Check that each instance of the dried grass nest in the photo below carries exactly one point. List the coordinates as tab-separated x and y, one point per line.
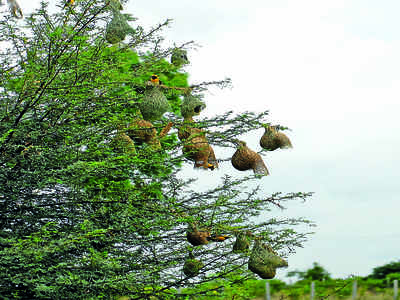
246	159
197	237
142	131
197	149
192	267
264	261
273	139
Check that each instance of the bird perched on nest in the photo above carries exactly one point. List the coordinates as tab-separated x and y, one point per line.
154	103
69	3
155	80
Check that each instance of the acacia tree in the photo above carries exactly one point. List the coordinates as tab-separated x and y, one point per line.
87	210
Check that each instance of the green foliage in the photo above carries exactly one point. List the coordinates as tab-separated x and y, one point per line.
382	271
317	273
85	216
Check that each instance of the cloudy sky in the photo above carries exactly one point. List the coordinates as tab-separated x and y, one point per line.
329	70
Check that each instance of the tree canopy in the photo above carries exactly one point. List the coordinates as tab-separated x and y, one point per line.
317	272
92	197
381	272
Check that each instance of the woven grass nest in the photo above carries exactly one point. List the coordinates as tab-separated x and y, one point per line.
179	57
123	143
246	159
273	139
197	149
154	103
242	242
264	261
142	131
118	27
15	9
192	267
197	237
191	106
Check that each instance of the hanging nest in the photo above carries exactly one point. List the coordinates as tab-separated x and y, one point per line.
197	149
116	5
185	131
179	57
15	9
273	139
264	261
142	131
242	242
246	159
191	106
154	104
118	27
123	143
192	267
197	237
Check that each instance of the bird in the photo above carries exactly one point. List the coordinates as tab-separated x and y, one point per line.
155	80
154	103
69	3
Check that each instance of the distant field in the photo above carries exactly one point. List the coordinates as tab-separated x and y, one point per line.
360	296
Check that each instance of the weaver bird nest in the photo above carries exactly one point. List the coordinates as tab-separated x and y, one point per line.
264	261
246	159
273	139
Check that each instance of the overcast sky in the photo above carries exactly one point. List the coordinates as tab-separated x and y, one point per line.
329	70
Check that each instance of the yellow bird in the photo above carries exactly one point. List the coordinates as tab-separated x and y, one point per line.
155	80
69	3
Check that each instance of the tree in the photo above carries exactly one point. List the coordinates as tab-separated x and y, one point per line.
91	197
317	272
382	271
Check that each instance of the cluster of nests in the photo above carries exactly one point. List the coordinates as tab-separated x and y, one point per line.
195	144
263	259
195	147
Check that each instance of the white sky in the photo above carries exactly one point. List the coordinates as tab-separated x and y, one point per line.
329	70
